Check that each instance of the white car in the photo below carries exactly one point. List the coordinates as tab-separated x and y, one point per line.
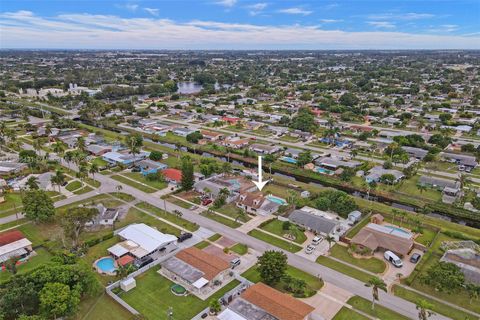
317	240
309	249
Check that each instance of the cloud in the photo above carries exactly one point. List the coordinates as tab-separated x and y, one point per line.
331	20
226	3
23	29
152	11
256	8
381	24
129	6
296	10
444	28
400	16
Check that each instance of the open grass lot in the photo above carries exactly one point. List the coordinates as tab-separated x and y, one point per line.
380	312
134	184
179	221
276	226
313	283
348	314
343	268
370	264
42	257
123	196
220	219
283	244
74	185
137	176
279	191
178	202
234	212
239	248
152	297
102	307
438	307
137	216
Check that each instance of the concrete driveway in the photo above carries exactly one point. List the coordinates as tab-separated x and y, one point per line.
390	275
328	301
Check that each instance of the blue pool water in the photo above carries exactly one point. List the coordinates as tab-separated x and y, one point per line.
277	200
323	170
397	229
288	159
106	265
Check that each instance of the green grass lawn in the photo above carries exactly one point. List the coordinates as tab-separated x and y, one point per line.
380	312
202	244
348	314
220	219
437	306
276	227
152	297
42	257
12	200
239	248
343	268
233	211
279	191
137	216
102	307
283	244
215	237
179	221
74	185
371	264
83	190
313	283
137	176
289	138
99	162
178	202
123	196
133	184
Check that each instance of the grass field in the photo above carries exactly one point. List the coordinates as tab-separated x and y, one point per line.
283	244
220	219
379	312
240	248
123	196
233	211
343	268
179	221
371	264
178	202
152	297
74	185
134	184
102	307
348	314
83	190
137	216
276	227
137	176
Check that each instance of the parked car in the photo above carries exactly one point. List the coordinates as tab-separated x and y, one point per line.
393	258
415	257
309	249
206	202
184	236
142	262
235	262
317	240
136	169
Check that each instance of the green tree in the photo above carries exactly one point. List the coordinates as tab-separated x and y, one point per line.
32	183
304	158
134	142
58	179
194	137
38	206
58	300
376	284
73	222
331	240
155	155
304	120
188	178
93	169
80	144
444	277
215	306
272	266
424	309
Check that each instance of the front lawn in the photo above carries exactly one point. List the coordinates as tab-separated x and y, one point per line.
234	212
152	297
380	312
123	196
370	264
276	227
220	219
74	185
12	200
134	184
343	268
283	244
348	314
179	221
313	284
83	190
137	176
240	249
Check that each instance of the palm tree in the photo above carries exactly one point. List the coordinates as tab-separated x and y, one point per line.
37	144
134	142
421	188
292	196
82	173
58	178
399	276
376	283
424	309
32	183
59	148
80	144
68	157
330	241
93	169
241	214
394	213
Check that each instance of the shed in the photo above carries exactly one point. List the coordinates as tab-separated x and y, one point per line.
376	218
128	284
355	216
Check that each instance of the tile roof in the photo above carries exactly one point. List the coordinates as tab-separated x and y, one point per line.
374	239
10	236
278	304
207	263
173	174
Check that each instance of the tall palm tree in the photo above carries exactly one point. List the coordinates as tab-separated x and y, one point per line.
424	309
59	148
93	169
330	241
37	144
80	144
421	188
376	284
58	179
32	183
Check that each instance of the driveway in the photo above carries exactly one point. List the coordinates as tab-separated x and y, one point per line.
328	301
390	275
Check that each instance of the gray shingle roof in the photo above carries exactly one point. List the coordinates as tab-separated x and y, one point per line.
312	221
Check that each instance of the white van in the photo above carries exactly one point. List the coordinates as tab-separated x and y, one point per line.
317	240
235	262
393	258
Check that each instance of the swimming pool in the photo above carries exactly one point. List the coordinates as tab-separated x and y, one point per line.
280	201
106	265
397	229
324	171
288	159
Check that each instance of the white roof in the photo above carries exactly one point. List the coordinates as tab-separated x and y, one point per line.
128	281
118	250
200	283
228	314
16	245
146	237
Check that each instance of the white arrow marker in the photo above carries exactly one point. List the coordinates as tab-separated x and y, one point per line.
260	184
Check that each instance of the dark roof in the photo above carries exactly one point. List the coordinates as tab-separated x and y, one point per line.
10	236
312	221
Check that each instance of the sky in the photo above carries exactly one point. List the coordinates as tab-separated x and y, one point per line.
240	24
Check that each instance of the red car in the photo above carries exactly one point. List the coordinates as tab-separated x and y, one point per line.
206	202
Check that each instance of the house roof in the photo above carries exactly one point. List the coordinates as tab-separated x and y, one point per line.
252	199
173	174
314	222
10	236
440	182
209	264
146	237
280	305
374	238
126	259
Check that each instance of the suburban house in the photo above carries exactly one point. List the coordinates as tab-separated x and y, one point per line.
381	238
196	269
235	142
468	260
334	163
314	222
148	166
140	240
460	159
257	203
377	172
264	149
183	132
211	136
105	217
417	153
172	175
262	302
7	167
98	150
14	244
438	183
124	158
231	120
